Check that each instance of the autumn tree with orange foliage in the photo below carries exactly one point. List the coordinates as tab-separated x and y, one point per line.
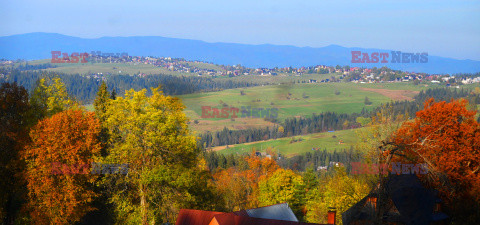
234	188
241	186
259	168
68	138
446	137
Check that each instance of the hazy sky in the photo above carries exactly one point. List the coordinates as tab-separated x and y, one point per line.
442	28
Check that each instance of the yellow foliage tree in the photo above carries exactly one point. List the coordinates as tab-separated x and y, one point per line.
282	186
340	191
150	134
50	97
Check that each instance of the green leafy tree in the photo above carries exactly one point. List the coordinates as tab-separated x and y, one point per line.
50	97
363	120
367	101
101	102
150	134
113	95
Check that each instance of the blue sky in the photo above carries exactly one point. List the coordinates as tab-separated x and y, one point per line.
442	28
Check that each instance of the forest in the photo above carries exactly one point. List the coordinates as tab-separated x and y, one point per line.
169	168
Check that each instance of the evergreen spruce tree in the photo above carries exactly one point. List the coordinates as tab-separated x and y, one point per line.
101	102
113	96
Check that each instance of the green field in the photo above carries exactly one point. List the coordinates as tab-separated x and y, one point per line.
118	68
322	97
343	140
291	99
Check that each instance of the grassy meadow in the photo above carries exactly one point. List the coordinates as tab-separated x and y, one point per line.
295	100
117	68
330	141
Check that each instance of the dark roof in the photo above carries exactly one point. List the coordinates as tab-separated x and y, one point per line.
277	212
414	203
357	212
195	217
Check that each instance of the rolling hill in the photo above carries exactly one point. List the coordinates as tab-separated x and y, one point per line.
39	46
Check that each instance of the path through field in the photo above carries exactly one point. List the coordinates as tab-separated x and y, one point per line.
397	95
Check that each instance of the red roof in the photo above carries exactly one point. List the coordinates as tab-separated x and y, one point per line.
195	217
200	217
232	219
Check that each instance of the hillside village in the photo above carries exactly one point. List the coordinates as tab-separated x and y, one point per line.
205	69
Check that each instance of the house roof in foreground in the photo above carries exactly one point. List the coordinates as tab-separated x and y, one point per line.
279	214
195	217
276	212
232	219
414	203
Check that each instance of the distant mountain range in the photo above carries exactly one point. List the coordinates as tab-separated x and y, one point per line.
33	46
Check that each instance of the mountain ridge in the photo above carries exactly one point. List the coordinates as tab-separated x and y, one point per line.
38	45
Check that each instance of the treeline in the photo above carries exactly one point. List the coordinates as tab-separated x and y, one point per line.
36	67
321	122
321	160
290	127
25	66
466	75
173	85
327	121
445	94
79	87
316	160
410	108
84	89
227	136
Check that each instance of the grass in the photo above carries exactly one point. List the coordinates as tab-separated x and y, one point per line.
117	68
322	97
111	68
89	107
281	78
284	147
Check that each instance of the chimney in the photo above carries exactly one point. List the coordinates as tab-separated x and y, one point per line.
331	216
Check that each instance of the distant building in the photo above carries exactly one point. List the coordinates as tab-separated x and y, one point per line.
322	168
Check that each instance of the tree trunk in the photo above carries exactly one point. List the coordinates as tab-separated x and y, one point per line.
143	205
